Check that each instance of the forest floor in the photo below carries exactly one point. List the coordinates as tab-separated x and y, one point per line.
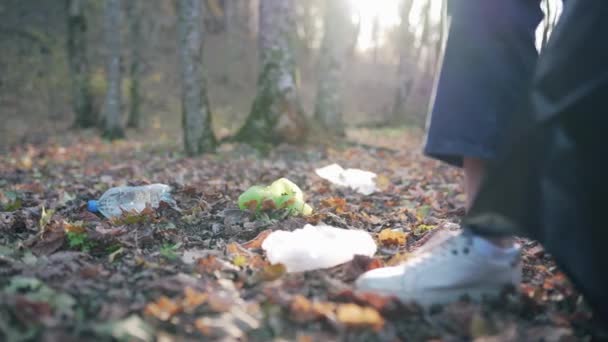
67	274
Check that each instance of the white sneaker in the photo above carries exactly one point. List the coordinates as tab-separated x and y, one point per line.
455	266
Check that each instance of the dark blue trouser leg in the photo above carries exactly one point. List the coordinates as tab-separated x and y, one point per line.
488	66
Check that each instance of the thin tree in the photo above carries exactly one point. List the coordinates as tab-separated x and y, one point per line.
136	38
112	113
276	114
196	116
79	64
334	50
407	62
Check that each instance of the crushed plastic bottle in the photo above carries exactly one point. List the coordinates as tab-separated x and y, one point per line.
131	198
316	247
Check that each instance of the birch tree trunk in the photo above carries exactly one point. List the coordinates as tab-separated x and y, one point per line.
407	62
276	114
79	65
334	50
112	113
196	116
134	9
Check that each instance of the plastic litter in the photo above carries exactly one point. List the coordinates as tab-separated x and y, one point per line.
281	194
359	180
316	247
131	198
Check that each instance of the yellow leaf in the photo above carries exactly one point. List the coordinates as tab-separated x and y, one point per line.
239	260
359	316
383	182
389	237
45	218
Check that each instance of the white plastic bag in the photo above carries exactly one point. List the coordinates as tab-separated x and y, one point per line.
316	247
359	180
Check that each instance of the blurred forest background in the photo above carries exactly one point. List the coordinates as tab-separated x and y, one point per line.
128	66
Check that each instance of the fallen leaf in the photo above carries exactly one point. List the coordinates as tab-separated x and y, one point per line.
220	301
234	248
354	315
115	254
256	243
389	237
359	265
338	204
304	310
45	218
193	299
76	227
239	260
208	264
163	308
49	241
272	272
398	259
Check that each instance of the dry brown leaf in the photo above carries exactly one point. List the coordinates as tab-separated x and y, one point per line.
272	272
301	309
355	315
304	310
398	259
220	301
234	249
202	326
358	316
257	261
73	228
163	308
359	265
338	204
389	237
193	299
208	264
256	243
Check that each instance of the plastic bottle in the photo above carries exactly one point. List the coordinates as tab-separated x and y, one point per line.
128	198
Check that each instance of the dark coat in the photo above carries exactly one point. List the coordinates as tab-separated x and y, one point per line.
553	182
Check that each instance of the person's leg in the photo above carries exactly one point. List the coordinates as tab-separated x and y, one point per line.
474	172
490	58
552	187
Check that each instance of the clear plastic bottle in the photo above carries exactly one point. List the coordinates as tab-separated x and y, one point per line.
127	198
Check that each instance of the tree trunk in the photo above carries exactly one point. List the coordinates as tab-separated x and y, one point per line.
334	49
276	114
134	8
407	63
196	116
79	65
112	118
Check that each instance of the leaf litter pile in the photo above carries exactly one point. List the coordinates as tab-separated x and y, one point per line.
198	272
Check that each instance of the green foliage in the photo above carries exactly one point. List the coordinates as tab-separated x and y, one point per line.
79	240
423	229
36	291
12	201
168	251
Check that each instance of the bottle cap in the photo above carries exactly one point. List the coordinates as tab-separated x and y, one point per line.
92	206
